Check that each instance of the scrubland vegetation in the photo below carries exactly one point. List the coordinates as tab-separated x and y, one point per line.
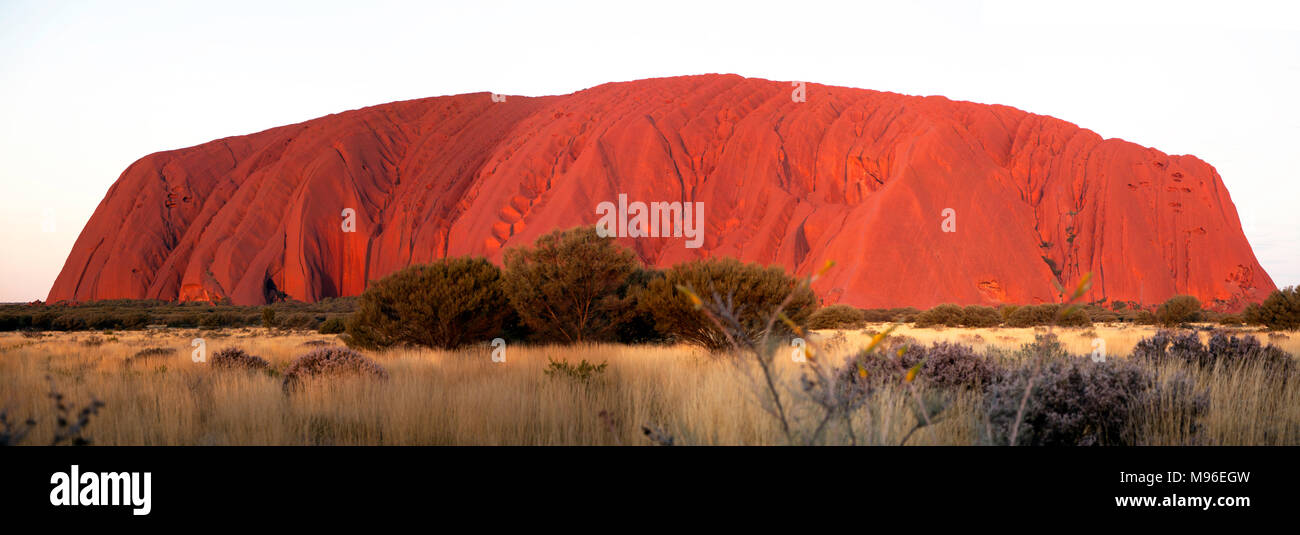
601	350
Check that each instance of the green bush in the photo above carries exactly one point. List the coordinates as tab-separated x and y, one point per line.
333	325
980	316
1280	311
749	292
1179	309
1145	317
446	304
880	315
836	317
946	314
1049	314
572	286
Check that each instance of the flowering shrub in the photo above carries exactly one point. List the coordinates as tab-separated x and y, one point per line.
1221	350
837	317
233	358
1074	401
330	362
943	364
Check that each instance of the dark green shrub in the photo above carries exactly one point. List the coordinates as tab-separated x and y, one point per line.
583	372
1231	319
151	353
836	317
299	320
1179	309
1006	311
640	326
1074	317
333	325
751	293
446	304
980	316
572	286
946	314
268	317
1145	317
1280	311
1049	314
1100	314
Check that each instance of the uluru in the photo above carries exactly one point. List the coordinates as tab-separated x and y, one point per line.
918	200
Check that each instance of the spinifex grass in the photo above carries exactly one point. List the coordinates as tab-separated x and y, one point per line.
462	397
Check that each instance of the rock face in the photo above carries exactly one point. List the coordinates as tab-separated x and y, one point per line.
919	200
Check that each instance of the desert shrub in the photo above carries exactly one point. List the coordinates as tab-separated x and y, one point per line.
268	317
299	320
1074	317
446	304
330	362
1049	314
1118	305
333	325
949	365
217	320
749	294
836	317
572	286
1078	402
152	353
905	314
1045	346
1145	317
1179	309
1220	350
943	364
1100	314
880	315
1281	310
948	315
640	325
233	358
583	372
1231	319
1006	311
1029	315
980	316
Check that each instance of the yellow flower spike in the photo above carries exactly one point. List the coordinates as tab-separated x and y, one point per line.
911	374
789	322
695	299
875	340
825	267
902	350
862	372
1085	283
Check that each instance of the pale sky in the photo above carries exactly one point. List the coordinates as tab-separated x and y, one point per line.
86	88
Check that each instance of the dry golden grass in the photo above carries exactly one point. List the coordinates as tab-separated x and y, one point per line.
462	397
